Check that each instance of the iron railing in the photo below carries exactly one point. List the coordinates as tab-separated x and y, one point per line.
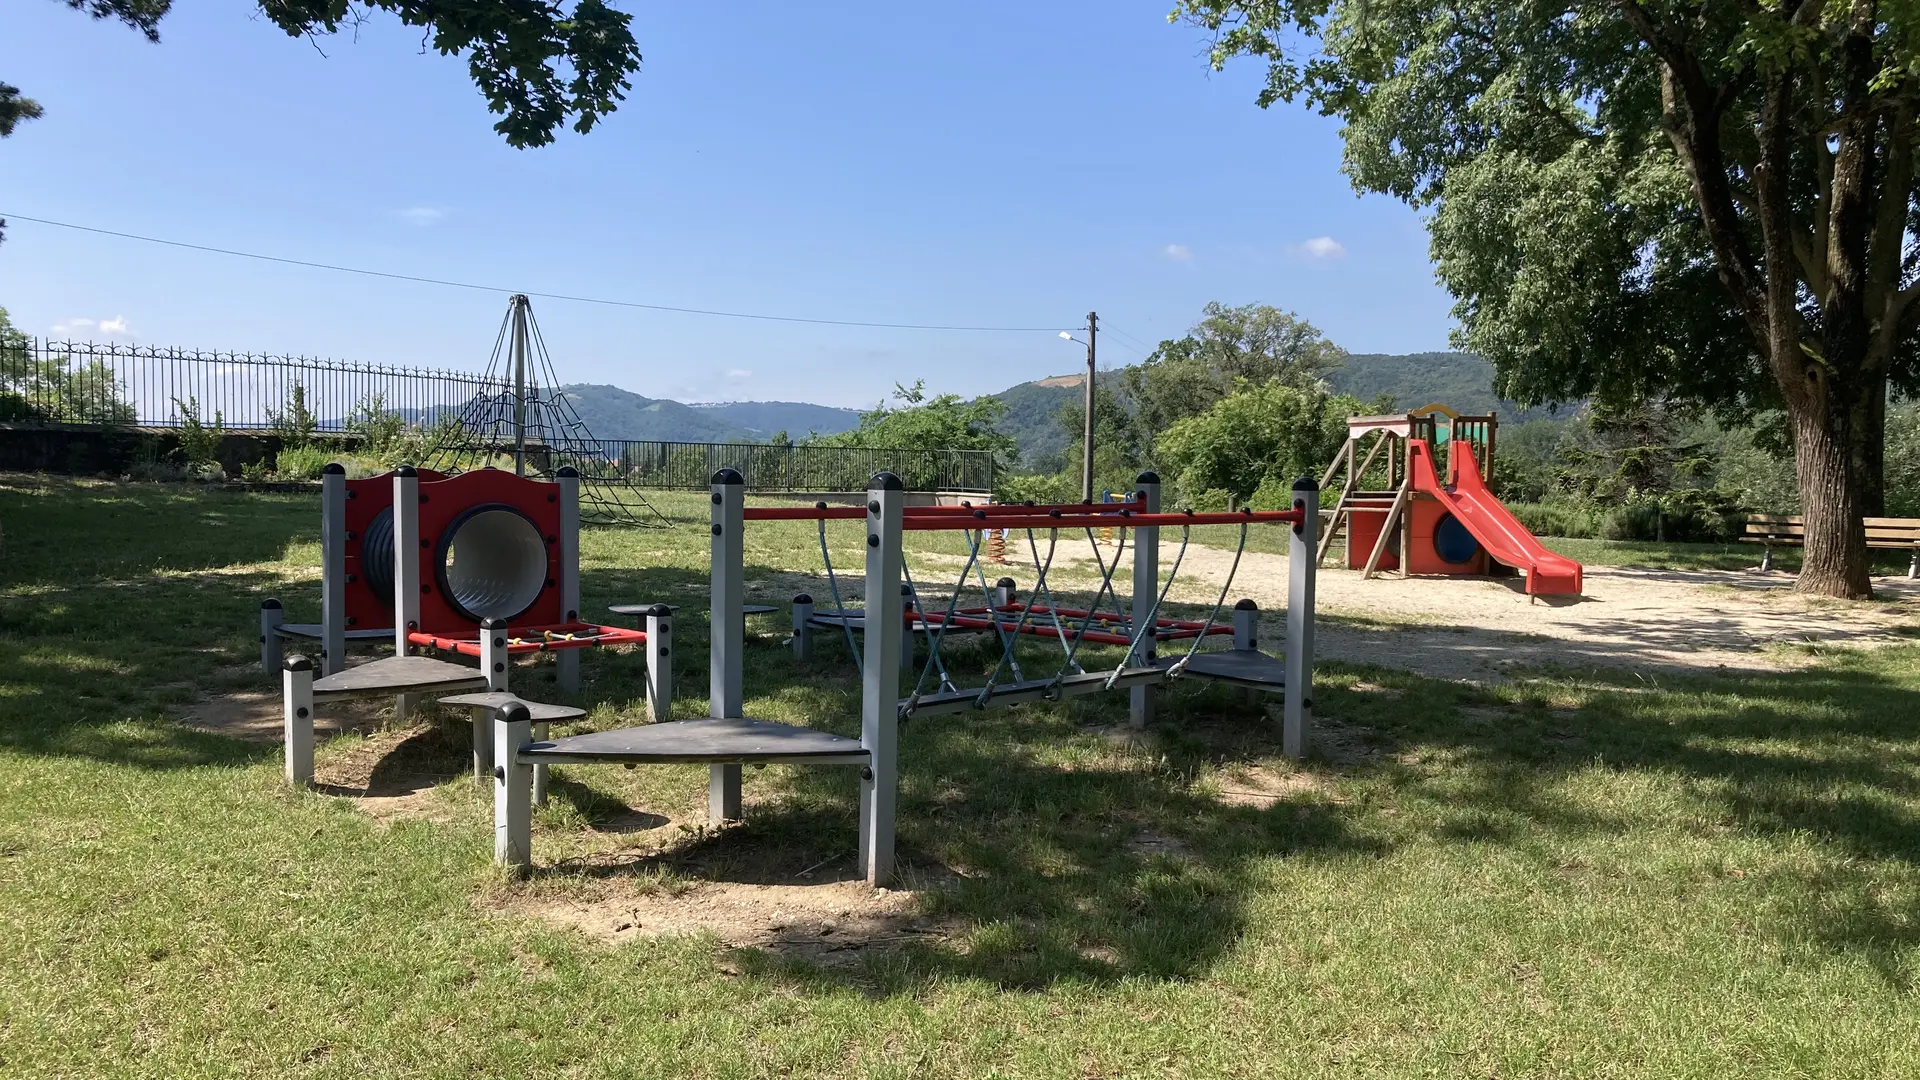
85	382
795	468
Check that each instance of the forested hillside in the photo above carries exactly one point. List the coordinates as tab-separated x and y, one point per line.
613	413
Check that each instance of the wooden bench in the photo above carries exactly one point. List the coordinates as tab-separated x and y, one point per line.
1887	534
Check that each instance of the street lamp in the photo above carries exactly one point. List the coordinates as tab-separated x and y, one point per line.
1086	434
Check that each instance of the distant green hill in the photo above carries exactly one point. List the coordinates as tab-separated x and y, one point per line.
612	413
1461	381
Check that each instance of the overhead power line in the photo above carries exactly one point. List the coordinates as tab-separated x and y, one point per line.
525	292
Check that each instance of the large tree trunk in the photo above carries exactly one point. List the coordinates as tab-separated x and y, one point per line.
1825	443
1870	449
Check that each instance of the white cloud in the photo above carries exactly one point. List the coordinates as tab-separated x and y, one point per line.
422	216
1178	252
1320	247
739	375
116	327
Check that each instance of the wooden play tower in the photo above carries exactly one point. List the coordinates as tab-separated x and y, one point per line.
1378	514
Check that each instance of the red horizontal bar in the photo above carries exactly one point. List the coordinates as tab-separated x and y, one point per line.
803	513
991	510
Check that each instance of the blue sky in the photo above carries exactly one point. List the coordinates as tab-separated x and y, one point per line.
1004	165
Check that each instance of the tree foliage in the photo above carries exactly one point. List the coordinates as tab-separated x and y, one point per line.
1706	201
919	422
1254	343
1260	436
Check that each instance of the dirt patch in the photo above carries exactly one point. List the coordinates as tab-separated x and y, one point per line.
1261	787
392	774
255	716
832	923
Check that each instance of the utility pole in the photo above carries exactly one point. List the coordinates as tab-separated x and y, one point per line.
1086	440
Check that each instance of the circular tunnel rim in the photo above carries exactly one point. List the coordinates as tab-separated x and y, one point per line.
443	553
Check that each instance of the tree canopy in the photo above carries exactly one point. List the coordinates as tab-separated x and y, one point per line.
919	422
1255	343
1633	200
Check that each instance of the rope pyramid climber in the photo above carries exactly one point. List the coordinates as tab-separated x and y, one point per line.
532	421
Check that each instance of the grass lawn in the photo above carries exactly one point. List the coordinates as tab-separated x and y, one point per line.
1558	876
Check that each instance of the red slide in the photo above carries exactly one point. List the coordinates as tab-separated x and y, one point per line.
1492	524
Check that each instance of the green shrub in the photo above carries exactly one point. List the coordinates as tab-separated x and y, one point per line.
199	440
301	462
1033	487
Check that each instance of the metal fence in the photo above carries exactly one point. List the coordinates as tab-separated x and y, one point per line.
800	468
85	382
91	383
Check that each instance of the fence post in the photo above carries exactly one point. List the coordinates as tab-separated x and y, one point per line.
1146	588
880	699
726	631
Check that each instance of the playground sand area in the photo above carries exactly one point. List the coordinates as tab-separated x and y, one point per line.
1477	629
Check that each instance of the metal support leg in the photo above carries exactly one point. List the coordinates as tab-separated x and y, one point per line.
1246	637
512	791
880	697
271	616
483	719
660	664
406	572
1146	589
803	628
1297	718
1005	592
297	697
1766	559
727	630
540	731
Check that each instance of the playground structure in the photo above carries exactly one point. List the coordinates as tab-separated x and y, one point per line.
446	564
540	428
1416	523
893	615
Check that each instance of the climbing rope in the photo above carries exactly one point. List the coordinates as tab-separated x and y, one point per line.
1150	624
1180	666
840	609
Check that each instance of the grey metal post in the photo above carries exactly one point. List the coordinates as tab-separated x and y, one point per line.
1298	712
660	664
1146	590
1246	625
297	697
880	697
496	663
271	616
568	660
406	571
1246	636
1005	592
517	305
333	568
512	790
803	628
727	631
540	731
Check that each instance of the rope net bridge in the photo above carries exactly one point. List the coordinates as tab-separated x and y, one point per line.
898	620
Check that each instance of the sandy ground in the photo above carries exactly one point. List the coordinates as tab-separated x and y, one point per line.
1476	629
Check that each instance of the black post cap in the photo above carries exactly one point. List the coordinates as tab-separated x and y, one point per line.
803	598
1306	483
491	623
567	472
297	662
1246	604
660	611
404	470
334	468
1005	583
906	589
729	476
1148	477
515	712
885	481
270	604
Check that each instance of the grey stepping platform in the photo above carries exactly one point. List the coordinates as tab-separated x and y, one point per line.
725	742
1241	667
1091	682
313	632
399	675
537	712
757	609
